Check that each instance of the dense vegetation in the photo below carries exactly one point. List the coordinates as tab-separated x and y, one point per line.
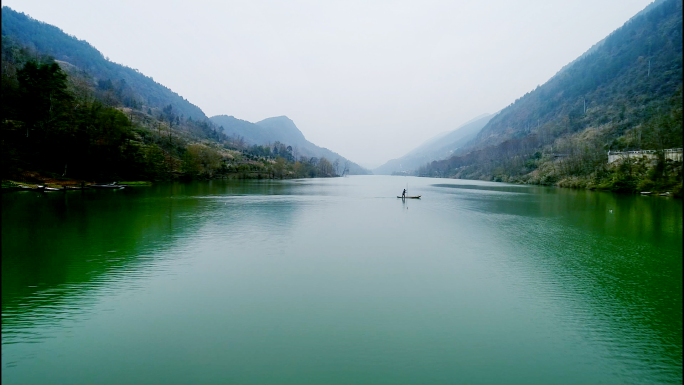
624	94
60	122
70	113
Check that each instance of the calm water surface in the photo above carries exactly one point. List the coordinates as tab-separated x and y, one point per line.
335	281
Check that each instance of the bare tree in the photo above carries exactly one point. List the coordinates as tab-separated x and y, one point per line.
336	166
346	168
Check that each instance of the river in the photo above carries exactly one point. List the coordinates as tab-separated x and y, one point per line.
336	281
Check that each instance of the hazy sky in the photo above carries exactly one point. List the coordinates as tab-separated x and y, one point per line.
368	79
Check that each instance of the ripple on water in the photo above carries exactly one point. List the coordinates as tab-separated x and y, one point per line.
340	274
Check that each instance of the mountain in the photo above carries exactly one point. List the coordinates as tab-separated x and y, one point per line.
243	129
623	94
117	86
280	129
600	43
283	128
65	107
615	75
50	40
438	147
441	139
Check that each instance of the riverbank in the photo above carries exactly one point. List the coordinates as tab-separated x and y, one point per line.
34	180
630	185
632	177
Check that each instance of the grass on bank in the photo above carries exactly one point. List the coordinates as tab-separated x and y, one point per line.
136	183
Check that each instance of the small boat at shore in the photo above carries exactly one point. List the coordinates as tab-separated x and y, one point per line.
109	186
409	197
38	188
44	188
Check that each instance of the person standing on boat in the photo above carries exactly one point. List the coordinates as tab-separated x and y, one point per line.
403	194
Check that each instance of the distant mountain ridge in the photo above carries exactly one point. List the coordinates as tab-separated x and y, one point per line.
438	147
281	129
444	137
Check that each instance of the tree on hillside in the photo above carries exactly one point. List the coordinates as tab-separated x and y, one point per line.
43	94
168	115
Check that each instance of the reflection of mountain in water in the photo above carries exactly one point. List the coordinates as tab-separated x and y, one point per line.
497	187
618	255
57	248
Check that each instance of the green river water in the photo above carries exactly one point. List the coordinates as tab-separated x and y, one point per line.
336	281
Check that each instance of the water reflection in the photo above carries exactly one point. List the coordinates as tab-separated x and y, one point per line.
614	260
545	285
57	248
501	187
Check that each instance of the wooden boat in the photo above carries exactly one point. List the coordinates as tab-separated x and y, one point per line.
38	188
410	197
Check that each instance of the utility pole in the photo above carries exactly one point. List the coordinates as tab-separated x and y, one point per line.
585	105
649	68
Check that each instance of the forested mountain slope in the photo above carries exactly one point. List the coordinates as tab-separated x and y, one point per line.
624	95
52	41
600	43
439	147
60	127
61	121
